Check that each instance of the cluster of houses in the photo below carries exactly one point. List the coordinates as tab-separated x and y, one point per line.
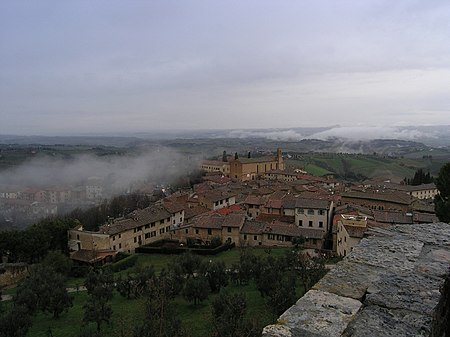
256	202
17	202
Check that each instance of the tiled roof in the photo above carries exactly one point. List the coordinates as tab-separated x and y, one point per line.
392	217
256	160
234	220
253	227
135	219
397	198
422	187
216	195
280	228
255	200
230	209
91	256
312	203
192	212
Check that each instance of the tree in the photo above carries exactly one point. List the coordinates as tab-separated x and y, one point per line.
15	322
59	262
216	274
283	294
228	316
196	289
160	317
442	200
99	285
44	290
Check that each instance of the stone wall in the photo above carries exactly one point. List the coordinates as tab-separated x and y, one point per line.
389	285
11	273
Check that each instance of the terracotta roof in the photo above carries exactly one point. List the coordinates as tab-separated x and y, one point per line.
91	256
392	217
135	219
213	221
273	203
253	227
255	160
230	209
312	203
173	207
393	197
280	228
276	217
252	199
234	220
192	212
216	195
422	187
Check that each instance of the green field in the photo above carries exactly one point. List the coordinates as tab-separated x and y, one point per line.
357	166
129	313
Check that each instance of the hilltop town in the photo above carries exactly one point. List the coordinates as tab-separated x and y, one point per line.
249	202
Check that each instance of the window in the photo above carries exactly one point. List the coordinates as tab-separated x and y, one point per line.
181	219
320	224
209	231
310	223
114	247
174	221
120	236
300	211
147	226
255	237
300	223
161	231
120	245
245	236
196	231
168	229
152	234
186	231
114	238
321	212
310	212
147	235
314	241
161	222
152	224
135	239
229	229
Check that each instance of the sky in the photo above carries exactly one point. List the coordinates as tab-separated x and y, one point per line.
106	66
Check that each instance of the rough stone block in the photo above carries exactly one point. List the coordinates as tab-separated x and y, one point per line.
382	322
318	313
397	253
410	291
348	279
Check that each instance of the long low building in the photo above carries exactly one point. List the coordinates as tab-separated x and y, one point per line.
126	234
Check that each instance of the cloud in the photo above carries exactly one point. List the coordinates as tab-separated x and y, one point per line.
349	133
118	172
366	133
284	135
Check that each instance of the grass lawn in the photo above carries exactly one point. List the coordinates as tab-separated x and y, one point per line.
129	313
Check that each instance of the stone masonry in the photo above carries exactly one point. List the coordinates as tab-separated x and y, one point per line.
389	285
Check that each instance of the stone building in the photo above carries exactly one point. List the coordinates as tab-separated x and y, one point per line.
138	228
424	191
379	200
244	169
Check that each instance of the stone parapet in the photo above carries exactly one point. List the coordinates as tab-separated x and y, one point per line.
389	285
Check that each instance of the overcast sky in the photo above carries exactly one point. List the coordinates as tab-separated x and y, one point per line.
125	66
